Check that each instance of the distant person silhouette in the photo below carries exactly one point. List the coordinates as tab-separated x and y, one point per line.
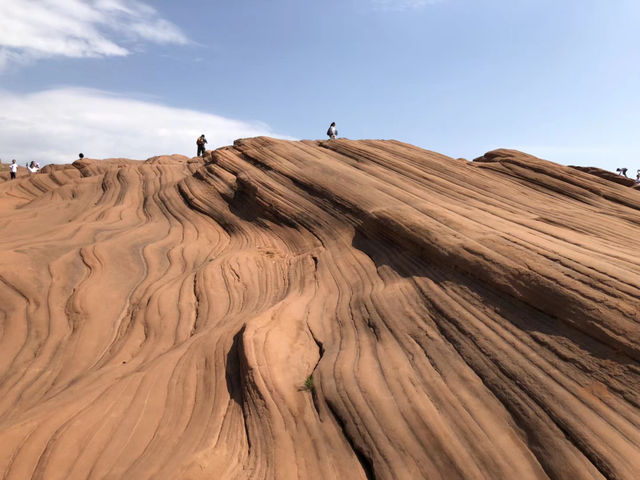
81	155
14	169
333	131
622	171
201	142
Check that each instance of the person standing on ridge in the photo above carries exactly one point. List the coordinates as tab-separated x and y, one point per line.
622	171
14	169
201	142
333	131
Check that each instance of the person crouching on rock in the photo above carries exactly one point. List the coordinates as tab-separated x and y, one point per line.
333	131
201	142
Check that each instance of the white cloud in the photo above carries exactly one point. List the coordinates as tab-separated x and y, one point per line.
400	5
32	29
53	126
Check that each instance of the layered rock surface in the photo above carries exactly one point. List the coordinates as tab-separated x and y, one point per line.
319	310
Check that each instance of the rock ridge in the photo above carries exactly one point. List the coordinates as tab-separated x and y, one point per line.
319	309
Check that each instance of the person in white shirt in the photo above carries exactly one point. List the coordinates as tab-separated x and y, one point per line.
333	131
14	169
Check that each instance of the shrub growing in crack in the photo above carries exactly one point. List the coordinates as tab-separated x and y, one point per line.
308	384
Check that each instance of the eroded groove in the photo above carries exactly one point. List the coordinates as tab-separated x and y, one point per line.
234	377
364	460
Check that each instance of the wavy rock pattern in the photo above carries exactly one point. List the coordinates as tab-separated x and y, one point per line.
450	319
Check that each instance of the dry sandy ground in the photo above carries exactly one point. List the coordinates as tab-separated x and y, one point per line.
450	319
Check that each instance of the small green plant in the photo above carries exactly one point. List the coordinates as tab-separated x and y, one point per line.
308	384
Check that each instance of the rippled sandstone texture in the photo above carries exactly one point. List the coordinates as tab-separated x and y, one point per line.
319	310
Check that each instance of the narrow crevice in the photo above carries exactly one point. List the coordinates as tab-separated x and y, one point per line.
235	382
314	393
320	348
416	339
314	398
194	328
374	328
363	458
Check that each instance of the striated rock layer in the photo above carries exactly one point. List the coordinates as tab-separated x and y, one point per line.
319	310
612	177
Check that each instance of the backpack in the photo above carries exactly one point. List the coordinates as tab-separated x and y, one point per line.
329	131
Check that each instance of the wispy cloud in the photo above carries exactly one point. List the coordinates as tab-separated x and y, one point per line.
32	29
53	126
400	5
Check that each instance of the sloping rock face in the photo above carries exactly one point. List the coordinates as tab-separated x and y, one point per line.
319	310
612	177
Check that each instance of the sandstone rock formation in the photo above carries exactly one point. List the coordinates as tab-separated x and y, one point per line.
319	310
612	177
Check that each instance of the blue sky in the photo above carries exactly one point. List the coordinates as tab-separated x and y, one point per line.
558	79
